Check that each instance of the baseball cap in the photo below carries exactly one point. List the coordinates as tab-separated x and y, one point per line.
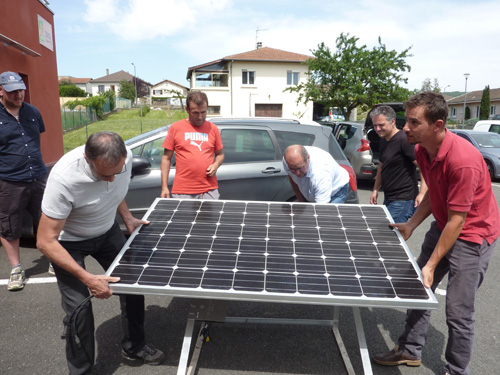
11	81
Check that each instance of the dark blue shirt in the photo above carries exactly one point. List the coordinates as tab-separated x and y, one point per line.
20	155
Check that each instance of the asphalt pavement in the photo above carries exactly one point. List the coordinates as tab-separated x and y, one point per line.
31	327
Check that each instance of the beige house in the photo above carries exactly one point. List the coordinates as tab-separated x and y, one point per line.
112	82
163	91
473	101
252	83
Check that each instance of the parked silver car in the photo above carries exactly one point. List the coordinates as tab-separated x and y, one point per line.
488	145
356	148
252	169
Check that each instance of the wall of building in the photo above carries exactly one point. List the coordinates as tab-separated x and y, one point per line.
19	22
239	100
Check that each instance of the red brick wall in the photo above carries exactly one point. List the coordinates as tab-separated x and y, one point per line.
19	22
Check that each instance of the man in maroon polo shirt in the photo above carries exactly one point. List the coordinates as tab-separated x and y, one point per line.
459	243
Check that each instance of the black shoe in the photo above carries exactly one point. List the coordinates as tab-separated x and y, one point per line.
148	354
396	357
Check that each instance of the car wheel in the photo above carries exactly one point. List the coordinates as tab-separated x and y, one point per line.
491	170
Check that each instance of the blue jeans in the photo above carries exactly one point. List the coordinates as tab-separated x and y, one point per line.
401	211
340	195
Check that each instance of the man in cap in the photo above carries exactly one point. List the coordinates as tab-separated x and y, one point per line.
22	171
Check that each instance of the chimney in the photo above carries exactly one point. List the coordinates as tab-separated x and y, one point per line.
107	72
259	45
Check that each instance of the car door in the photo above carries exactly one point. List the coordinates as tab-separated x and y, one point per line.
145	186
252	168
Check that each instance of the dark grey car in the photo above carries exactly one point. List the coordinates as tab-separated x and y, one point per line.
252	169
488	145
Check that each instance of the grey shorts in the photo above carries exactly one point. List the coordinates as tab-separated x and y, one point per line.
15	197
212	194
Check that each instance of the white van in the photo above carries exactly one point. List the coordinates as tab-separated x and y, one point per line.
492	126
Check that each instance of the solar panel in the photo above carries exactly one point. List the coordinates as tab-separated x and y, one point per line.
271	251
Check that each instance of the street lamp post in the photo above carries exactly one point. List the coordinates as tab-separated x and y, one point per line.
466	75
135	84
445	89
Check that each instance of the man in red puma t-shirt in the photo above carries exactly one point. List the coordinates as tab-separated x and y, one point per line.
195	142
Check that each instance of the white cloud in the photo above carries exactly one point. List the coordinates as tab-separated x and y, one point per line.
149	19
447	37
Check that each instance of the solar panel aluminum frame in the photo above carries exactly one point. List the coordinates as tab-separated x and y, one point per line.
429	302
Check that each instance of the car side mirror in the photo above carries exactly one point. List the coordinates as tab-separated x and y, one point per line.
140	165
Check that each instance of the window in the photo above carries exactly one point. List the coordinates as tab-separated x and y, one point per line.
292	78
453	112
286	139
492	110
211	80
494	128
464	137
100	88
247	145
213	110
153	151
248	77
157	92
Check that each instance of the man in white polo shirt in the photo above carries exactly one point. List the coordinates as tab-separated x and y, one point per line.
315	176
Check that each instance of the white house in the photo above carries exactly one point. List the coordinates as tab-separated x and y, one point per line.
163	91
252	84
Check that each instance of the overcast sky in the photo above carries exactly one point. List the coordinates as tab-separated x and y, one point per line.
163	38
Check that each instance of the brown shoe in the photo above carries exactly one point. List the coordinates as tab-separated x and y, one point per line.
396	357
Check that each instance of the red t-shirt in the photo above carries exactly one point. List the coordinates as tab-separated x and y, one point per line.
194	148
458	180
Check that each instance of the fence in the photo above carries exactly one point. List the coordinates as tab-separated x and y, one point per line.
82	116
123	103
73	119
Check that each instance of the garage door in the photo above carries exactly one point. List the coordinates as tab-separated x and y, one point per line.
268	110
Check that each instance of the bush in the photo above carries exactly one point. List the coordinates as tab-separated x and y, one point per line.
145	110
71	91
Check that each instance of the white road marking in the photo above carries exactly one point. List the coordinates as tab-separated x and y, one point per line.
441	292
34	280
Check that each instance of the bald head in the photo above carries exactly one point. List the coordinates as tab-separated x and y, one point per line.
297	159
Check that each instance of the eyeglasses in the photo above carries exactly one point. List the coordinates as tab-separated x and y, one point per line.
102	176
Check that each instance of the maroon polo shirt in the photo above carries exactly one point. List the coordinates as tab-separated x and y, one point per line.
458	180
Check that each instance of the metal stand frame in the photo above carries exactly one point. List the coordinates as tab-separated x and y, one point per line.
204	315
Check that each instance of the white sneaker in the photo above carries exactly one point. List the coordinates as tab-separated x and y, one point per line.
17	279
51	269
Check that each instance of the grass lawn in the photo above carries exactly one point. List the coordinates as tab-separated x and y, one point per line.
127	123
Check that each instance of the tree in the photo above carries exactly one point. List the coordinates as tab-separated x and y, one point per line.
127	90
94	102
428	86
353	76
178	95
142	87
110	94
484	110
71	91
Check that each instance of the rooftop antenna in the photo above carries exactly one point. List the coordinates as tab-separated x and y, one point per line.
257	43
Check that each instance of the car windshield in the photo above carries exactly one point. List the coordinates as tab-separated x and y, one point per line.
489	140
